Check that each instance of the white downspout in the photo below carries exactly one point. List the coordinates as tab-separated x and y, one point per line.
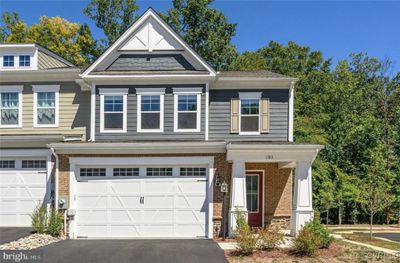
55	179
291	112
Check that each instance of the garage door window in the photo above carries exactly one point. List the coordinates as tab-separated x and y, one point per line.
126	172
193	171
7	164
159	171
34	164
92	172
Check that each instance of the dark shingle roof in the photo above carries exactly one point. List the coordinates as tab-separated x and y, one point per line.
251	74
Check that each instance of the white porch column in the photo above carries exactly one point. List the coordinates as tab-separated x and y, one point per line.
238	193
302	199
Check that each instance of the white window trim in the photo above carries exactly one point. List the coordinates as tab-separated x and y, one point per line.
46	88
250	96
19	60
16	60
18	89
149	92
114	92
198	111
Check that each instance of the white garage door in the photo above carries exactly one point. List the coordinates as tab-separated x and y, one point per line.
141	202
22	188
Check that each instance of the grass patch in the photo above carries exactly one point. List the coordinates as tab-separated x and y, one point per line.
374	242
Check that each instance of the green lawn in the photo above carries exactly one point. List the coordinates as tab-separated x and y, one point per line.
375	241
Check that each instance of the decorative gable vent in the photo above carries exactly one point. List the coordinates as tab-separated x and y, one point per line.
151	36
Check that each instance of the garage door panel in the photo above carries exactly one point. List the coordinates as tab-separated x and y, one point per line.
33	178
125	201
86	202
32	192
159	201
91	187
189	216
92	230
158	216
189	230
92	216
125	216
8	205
192	187
125	230
155	185
157	230
195	202
126	186
29	205
8	191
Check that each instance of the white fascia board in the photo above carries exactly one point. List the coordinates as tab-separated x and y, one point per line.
140	148
148	77
261	146
177	160
17	45
255	83
149	13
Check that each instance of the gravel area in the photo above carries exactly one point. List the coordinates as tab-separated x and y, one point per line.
30	242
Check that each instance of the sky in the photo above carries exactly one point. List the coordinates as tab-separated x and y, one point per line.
335	27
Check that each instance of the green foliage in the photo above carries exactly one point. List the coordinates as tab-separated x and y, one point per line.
306	242
317	228
249	61
39	219
205	29
55	223
245	237
270	237
71	41
113	17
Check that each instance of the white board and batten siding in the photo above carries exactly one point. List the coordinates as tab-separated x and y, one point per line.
141	206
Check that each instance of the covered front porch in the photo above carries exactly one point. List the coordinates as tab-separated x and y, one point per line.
271	183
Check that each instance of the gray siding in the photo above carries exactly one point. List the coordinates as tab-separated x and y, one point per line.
133	135
219	120
152	62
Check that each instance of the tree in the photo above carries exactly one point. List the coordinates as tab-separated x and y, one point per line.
72	41
375	189
112	16
205	29
249	61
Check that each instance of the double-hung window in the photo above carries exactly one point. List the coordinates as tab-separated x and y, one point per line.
8	61
46	105
187	110
113	110
249	121
11	106
150	110
24	61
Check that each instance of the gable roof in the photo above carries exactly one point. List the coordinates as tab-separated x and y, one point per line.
150	21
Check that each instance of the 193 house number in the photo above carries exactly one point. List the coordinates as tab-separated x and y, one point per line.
269	157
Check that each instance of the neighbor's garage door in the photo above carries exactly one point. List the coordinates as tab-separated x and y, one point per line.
22	188
141	202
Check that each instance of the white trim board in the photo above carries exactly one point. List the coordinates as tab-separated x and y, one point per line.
13	89
46	88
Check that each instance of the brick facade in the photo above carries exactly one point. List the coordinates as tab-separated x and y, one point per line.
277	191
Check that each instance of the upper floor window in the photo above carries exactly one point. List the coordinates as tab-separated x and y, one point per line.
8	61
187	112
11	106
113	110
46	105
249	121
24	61
150	111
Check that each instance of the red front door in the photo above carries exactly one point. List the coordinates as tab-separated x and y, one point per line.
254	182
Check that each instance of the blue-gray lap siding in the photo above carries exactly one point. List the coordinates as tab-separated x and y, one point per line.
220	108
133	135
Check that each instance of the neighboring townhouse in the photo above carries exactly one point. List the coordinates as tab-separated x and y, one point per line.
40	104
166	131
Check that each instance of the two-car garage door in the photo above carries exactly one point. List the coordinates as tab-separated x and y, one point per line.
141	201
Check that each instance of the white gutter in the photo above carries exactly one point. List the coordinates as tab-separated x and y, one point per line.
56	179
93	113
266	146
291	112
207	110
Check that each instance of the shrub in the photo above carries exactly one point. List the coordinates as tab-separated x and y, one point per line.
317	228
245	237
55	223
307	242
39	219
270	237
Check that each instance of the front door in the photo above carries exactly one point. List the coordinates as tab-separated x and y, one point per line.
254	198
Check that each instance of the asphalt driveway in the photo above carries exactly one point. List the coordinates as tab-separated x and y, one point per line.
144	250
8	234
390	236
